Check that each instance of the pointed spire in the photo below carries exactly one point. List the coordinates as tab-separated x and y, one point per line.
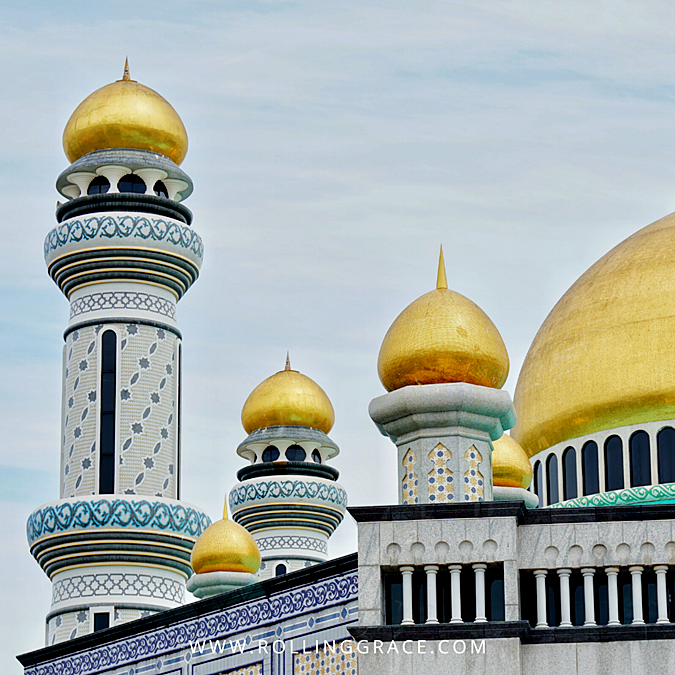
126	77
441	281
288	362
225	509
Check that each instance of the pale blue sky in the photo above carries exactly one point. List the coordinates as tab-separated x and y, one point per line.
333	147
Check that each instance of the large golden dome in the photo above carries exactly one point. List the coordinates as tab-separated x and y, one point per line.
510	465
125	114
225	546
605	355
288	398
442	337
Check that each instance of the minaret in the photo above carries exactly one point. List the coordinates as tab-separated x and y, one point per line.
288	498
443	363
117	543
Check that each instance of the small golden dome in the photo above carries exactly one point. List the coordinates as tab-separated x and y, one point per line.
510	465
605	355
125	114
225	546
442	337
288	398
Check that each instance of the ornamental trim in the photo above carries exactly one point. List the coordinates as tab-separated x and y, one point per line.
303	543
138	514
301	489
124	227
636	495
315	597
146	302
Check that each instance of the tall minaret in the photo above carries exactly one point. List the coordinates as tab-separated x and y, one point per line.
288	498
117	543
443	363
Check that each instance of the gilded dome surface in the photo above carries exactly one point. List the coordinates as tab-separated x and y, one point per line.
442	337
125	114
605	355
288	398
510	465
225	546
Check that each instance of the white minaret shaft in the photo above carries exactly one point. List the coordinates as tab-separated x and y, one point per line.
117	543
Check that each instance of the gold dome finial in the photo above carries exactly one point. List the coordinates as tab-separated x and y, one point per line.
288	398
225	546
510	465
442	337
125	114
441	280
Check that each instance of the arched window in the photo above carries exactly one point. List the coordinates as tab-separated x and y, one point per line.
591	474
295	453
99	186
279	570
316	456
160	190
640	470
270	454
552	479
538	483
106	479
569	460
665	447
613	464
131	183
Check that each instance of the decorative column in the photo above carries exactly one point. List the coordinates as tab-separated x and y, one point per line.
613	595
565	613
479	576
432	611
589	596
540	576
636	580
455	594
661	593
406	573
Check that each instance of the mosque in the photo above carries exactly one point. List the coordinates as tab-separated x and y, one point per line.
549	548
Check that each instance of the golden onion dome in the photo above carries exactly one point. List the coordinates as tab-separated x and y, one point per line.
125	114
288	398
442	337
225	546
605	355
510	465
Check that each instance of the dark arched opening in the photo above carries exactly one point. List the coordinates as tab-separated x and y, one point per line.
613	464
99	186
270	454
552	479
640	469
131	183
665	448
589	463
569	461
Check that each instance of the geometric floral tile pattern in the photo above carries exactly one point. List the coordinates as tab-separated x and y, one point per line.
95	302
80	396
89	585
410	481
440	477
473	478
147	418
252	614
327	661
253	669
134	228
68	626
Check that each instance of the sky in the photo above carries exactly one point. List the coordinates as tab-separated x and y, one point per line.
333	147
